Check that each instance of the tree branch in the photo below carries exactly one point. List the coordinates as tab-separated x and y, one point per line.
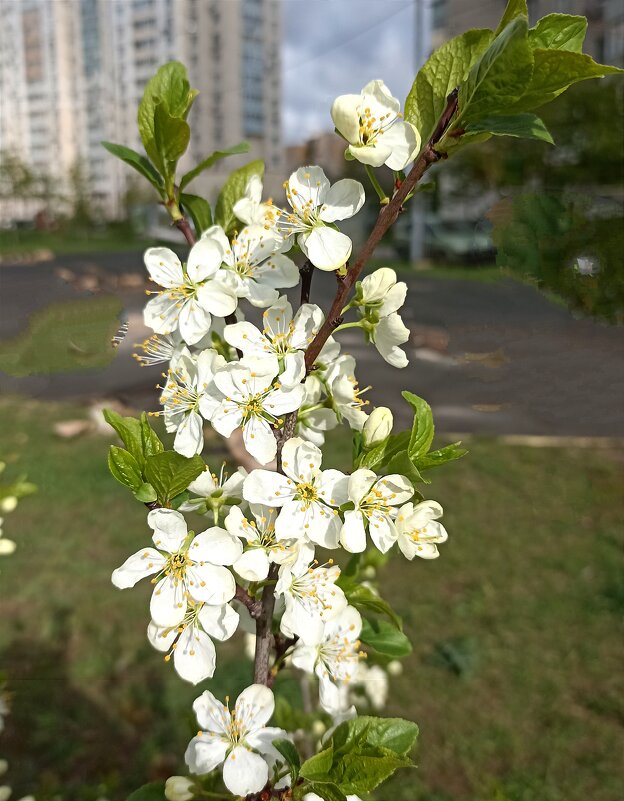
184	225
306	271
387	217
254	607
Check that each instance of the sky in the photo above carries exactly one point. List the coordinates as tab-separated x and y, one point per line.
334	47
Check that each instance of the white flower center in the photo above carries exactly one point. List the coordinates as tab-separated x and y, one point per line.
373	127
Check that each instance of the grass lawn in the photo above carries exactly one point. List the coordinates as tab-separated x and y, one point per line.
22	242
515	679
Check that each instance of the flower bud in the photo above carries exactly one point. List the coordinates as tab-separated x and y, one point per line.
8	504
179	788
378	427
377	285
394	668
318	728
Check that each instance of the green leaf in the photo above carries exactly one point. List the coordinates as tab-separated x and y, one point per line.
422	427
171	136
232	191
150	441
438	457
385	638
170	473
146	493
155	791
394	734
363	598
124	467
522	126
137	162
515	8
291	755
500	77
169	86
554	72
559	32
381	454
65	336
206	164
446	69
130	433
356	760
199	209
328	792
405	465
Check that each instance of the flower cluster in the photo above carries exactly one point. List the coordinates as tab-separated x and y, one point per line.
264	526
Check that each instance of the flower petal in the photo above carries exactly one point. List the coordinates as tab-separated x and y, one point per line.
163	267
244	771
345	113
194	657
189	439
326	248
360	483
353	533
194	321
403	140
255	705
204	259
139	565
216	546
168	602
217	298
212	584
344	199
268	487
205	753
259	440
211	715
253	565
161	313
169	529
219	622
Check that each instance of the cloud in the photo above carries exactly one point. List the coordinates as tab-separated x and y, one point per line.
332	47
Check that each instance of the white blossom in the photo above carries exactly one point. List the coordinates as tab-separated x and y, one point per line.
7	546
212	492
379	296
252	211
372	124
418	529
283	337
190	642
189	297
376	501
308	496
188	397
310	595
345	393
238	739
378	427
254	263
179	788
315	417
257	530
253	402
315	206
332	652
184	570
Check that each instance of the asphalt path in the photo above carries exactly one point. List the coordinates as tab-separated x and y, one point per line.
491	358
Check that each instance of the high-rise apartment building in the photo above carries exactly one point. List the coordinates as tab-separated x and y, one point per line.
72	73
605	34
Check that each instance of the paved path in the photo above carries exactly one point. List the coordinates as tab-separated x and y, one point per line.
490	357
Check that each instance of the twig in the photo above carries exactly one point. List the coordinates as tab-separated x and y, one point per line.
387	216
254	607
306	271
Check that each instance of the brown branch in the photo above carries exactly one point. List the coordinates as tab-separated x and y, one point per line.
264	630
184	225
387	217
306	271
254	607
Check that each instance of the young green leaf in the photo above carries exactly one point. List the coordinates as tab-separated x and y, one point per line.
233	190
124	467
501	75
138	162
440	456
170	473
199	209
522	126
328	792
554	72
172	136
206	164
394	734
129	430
291	755
155	791
385	638
145	493
150	441
317	767
446	69
559	32
515	8
422	427
170	87
363	598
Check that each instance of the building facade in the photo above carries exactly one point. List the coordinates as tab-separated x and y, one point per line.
72	73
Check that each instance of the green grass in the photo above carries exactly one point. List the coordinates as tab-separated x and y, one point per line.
16	243
515	679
